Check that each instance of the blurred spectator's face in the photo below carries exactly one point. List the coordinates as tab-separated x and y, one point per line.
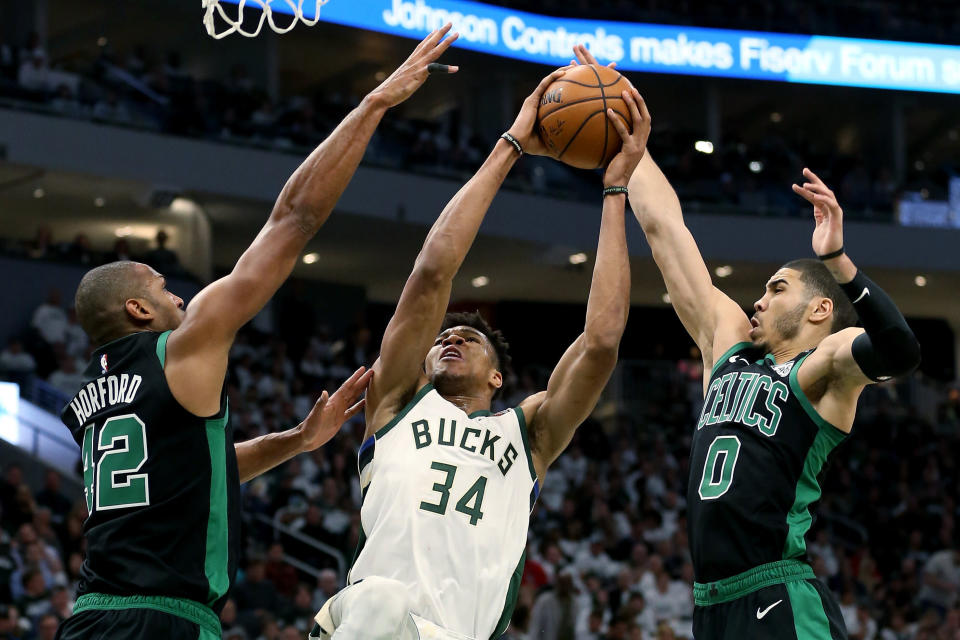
291	633
14	474
229	614
53	481
59	599
47	628
303	598
35	584
276	553
27	534
328	581
255	572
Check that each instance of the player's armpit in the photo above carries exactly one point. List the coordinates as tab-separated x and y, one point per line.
831	379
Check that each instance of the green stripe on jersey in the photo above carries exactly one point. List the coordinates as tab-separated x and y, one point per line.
810	621
510	602
522	419
382	431
808	489
737	348
162	348
218	540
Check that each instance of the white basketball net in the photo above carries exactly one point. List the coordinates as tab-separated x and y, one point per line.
266	14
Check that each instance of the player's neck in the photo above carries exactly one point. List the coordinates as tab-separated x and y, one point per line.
469	404
790	349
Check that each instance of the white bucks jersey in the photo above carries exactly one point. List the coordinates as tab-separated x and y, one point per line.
446	505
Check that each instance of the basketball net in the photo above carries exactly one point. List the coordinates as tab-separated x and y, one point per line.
267	14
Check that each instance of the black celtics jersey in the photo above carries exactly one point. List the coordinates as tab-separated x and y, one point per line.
757	450
161	484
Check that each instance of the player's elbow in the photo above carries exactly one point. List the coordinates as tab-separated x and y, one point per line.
904	358
602	345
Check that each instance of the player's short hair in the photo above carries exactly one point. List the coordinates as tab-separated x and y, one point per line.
820	282
100	297
501	347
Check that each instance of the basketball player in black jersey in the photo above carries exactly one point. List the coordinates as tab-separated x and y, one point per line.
161	471
780	395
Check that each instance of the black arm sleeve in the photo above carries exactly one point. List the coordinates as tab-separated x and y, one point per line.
888	348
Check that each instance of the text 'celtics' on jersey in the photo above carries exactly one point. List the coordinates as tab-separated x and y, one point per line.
161	484
758	448
446	506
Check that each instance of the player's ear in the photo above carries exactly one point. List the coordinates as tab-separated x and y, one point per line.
496	379
822	311
138	310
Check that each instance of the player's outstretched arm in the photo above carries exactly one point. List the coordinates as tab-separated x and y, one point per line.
852	358
583	371
330	412
199	348
713	320
423	302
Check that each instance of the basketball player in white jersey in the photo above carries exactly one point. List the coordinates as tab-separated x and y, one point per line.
448	487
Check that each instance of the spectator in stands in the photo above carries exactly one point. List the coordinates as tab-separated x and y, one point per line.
10	627
52	497
941	581
34	598
34	71
67	378
80	250
66	103
42	244
47	626
61	605
16	362
110	109
161	258
281	574
327	586
228	622
50	319
77	344
256	592
555	612
121	251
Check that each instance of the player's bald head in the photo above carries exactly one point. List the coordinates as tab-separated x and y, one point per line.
101	297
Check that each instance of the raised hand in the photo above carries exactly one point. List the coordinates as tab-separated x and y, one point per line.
623	164
411	75
827	214
524	128
585	57
331	411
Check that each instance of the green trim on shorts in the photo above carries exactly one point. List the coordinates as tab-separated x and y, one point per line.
810	621
747	582
195	612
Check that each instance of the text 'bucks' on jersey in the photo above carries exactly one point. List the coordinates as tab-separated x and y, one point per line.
161	484
758	448
446	506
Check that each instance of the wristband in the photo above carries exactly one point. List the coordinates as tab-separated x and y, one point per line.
613	191
833	254
516	145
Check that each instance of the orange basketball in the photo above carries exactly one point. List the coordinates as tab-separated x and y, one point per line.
572	116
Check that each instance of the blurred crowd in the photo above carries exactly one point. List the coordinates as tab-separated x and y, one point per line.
148	89
44	245
607	556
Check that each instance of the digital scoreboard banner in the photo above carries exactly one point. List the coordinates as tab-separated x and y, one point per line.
658	48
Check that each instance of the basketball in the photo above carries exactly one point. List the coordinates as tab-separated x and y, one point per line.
572	116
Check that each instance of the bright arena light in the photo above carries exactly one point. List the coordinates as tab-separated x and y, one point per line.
123	232
39	193
99	202
703	146
182	205
480	281
310	258
724	271
756	166
920	281
578	258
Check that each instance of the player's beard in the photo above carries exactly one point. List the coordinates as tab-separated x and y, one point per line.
452	384
788	325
